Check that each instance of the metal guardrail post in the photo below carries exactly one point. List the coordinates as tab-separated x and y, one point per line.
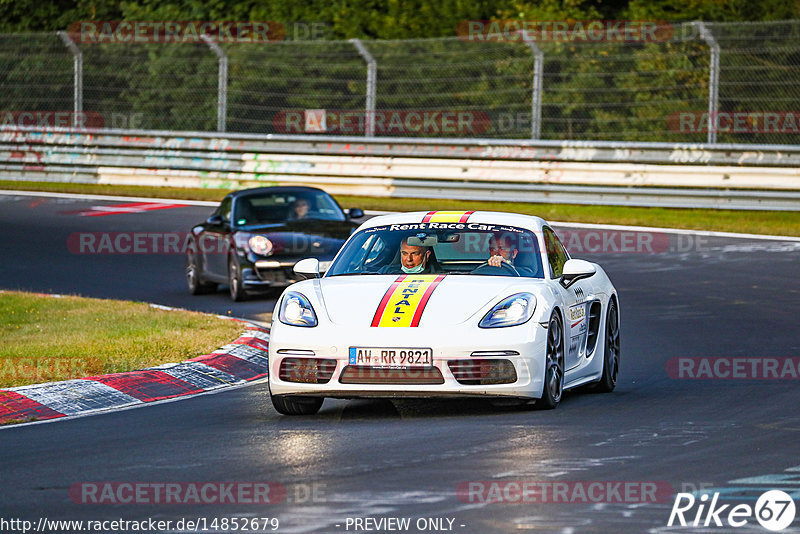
77	99
222	84
713	80
536	96
372	75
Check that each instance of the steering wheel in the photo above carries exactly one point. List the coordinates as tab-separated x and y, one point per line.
505	269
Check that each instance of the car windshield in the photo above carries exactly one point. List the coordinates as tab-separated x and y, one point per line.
464	250
278	207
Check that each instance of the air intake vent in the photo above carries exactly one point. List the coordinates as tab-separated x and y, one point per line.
594	327
476	372
307	370
359	374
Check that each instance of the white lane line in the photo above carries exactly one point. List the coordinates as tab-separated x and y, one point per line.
704	233
80	196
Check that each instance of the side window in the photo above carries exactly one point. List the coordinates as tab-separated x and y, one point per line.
224	209
556	253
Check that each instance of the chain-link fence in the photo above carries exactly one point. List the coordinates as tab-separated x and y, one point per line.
731	82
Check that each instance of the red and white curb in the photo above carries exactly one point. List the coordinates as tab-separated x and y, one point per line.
244	360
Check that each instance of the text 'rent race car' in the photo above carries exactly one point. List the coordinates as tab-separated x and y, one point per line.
496	309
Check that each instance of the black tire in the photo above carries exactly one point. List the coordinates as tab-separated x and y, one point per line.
296	405
194	279
235	285
554	366
608	381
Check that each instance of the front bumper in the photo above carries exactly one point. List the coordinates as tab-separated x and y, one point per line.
524	346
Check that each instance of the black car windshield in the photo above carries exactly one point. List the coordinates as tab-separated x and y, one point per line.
278	207
464	250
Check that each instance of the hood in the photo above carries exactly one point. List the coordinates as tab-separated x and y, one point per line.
304	238
356	300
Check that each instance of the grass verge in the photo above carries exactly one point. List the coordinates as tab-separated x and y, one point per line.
46	339
751	222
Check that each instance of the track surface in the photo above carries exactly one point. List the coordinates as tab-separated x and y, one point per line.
723	297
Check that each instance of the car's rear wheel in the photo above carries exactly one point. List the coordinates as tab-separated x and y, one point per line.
235	285
554	365
608	381
194	279
296	405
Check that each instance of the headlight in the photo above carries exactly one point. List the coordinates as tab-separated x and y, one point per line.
260	245
515	310
296	310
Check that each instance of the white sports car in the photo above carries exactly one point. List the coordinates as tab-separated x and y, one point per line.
519	329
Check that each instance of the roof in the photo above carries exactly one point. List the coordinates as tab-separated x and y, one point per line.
530	222
277	189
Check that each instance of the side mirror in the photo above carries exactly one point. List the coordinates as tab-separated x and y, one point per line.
215	220
308	267
355	213
575	270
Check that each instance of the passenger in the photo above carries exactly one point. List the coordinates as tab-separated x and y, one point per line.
413	260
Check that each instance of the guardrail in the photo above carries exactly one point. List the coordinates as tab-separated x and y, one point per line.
618	173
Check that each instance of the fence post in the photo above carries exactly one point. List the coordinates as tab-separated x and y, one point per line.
713	80
77	82
222	84
536	95
372	74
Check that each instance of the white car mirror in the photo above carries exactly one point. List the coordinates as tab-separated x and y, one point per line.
308	267
575	270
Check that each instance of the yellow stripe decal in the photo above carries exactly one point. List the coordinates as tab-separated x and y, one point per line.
405	300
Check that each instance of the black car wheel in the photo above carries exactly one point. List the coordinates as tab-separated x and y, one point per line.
235	285
608	381
296	405
553	365
194	280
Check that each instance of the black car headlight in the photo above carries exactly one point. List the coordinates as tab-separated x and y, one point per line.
512	311
260	245
296	310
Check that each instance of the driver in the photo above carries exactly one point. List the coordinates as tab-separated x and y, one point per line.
413	260
299	209
502	248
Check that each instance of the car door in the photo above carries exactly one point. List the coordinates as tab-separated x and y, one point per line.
215	240
574	298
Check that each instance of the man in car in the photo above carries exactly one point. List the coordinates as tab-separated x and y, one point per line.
504	247
413	260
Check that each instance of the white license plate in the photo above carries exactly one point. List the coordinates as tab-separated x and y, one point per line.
391	357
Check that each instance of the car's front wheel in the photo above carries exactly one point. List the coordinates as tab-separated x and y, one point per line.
553	365
296	405
608	381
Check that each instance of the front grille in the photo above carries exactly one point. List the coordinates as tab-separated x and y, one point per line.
307	370
477	372
359	374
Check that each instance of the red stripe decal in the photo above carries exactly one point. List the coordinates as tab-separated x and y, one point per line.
424	300
466	215
428	216
385	300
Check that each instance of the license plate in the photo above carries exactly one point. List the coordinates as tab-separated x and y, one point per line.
391	358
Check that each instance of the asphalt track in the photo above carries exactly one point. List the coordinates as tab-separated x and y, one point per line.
689	298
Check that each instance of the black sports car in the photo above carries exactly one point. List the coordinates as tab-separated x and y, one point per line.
254	238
